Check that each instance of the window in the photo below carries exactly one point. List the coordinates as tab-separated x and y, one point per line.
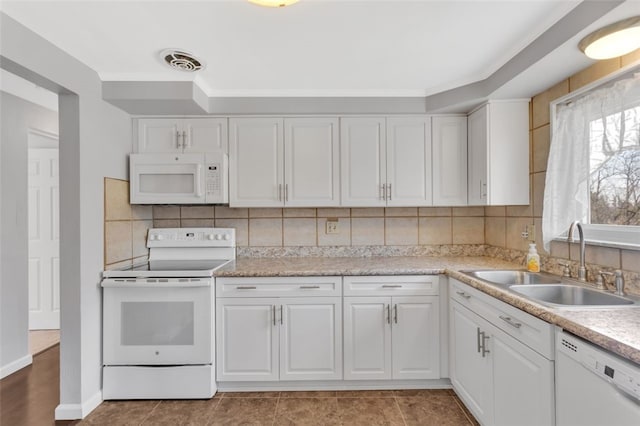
593	172
614	168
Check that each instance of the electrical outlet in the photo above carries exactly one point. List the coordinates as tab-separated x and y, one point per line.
532	233
333	227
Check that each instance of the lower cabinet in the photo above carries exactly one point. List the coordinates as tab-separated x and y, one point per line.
391	328
391	338
294	337
502	380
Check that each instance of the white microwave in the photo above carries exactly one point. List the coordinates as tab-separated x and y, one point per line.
179	178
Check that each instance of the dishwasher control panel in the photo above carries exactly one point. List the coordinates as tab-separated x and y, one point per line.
617	371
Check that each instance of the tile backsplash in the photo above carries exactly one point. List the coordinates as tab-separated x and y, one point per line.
306	227
125	226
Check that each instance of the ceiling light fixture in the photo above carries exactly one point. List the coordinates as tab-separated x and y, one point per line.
613	40
273	3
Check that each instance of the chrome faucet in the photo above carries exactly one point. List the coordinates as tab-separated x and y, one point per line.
582	270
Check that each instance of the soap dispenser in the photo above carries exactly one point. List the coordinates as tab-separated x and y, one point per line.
533	259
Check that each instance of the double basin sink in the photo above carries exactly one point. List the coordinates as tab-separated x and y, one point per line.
549	289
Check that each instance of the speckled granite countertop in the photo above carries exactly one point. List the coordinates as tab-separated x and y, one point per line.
615	329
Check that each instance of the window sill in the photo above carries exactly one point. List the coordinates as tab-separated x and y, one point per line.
612	236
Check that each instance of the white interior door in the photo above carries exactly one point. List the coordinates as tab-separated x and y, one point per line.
44	233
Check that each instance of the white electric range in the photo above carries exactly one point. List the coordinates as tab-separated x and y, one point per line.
158	319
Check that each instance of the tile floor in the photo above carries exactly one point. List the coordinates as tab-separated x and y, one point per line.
407	407
41	340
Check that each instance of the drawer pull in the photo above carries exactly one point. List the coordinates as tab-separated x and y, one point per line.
246	287
395	313
478	336
392	286
389	314
309	286
463	294
509	321
273	310
485	351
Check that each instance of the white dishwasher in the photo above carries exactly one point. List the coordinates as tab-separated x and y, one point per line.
593	386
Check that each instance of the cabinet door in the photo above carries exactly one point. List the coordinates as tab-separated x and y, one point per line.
255	162
523	383
367	338
415	337
449	161
362	161
471	373
311	338
159	135
205	134
247	333
477	146
311	162
409	161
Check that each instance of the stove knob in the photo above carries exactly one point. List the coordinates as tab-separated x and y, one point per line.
160	237
218	237
152	237
210	236
227	237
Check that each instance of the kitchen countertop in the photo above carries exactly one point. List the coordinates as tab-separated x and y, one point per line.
615	329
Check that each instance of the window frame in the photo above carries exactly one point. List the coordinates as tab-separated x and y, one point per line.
618	236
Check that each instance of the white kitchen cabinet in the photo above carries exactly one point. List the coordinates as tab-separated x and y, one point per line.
501	360
391	336
386	162
292	162
449	161
181	135
498	144
247	339
293	334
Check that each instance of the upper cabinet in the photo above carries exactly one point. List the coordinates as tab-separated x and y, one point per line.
277	162
449	161
181	135
498	143
386	162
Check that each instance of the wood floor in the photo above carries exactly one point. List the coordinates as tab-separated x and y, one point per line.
30	396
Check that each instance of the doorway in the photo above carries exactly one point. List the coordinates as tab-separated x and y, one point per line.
44	241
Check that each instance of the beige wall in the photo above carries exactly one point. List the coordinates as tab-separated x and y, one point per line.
125	226
505	224
358	226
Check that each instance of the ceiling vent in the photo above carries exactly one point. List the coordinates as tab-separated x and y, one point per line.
181	60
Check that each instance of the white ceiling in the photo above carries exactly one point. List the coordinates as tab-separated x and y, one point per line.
313	48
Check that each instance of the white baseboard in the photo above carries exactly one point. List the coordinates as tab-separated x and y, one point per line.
16	365
78	411
337	385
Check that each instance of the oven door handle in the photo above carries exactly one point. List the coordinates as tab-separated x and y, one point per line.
155	284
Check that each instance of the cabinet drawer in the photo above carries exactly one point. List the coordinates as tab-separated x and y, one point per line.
532	331
413	285
278	287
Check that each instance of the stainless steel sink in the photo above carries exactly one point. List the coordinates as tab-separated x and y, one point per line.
569	295
507	277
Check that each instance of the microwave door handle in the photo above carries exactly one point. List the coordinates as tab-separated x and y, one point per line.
199	180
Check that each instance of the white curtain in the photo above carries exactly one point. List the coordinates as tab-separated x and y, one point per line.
566	194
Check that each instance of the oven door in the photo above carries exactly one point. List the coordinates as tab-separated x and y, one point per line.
167	178
157	321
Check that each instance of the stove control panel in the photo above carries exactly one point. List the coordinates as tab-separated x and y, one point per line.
191	237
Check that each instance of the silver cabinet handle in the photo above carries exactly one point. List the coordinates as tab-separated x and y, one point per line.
246	287
286	192
509	321
395	313
309	286
178	136
463	294
485	351
389	314
273	311
389	194
279	192
478	336
281	317
392	286
186	142
383	195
